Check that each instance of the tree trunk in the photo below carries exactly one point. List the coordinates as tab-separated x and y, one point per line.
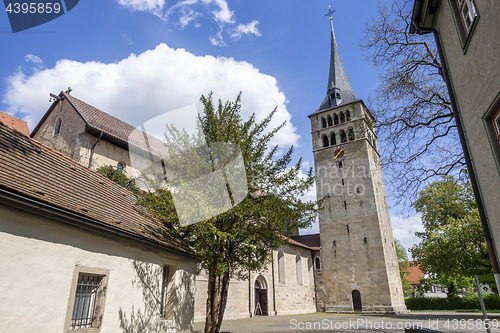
216	302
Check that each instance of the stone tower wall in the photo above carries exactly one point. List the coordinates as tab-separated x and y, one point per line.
357	247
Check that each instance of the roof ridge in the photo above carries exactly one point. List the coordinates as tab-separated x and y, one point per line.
69	97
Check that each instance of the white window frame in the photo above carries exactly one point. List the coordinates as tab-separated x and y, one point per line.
470	15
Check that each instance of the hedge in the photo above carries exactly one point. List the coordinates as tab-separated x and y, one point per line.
492	302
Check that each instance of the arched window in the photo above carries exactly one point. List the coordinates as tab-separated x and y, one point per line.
57	127
342	117
337	96
343	136
310	273
330	121
298	269
333	140
351	133
335	119
325	141
281	267
323	122
348	115
318	263
120	166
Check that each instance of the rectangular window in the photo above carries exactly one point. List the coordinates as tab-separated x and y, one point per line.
167	302
466	16
85	297
86	302
496	125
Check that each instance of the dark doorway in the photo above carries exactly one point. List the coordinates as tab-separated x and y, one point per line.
356	301
260	299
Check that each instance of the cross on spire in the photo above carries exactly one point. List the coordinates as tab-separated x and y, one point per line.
330	12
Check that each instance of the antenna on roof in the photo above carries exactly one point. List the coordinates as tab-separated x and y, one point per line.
69	90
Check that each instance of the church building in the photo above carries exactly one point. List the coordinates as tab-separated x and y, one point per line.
350	266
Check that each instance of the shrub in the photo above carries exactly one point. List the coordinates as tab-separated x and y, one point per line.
491	301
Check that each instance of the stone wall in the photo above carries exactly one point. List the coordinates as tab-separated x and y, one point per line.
357	246
289	297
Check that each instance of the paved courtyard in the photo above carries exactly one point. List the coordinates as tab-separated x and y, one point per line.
328	322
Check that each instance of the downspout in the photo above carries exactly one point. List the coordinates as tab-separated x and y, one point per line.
468	160
274	288
92	149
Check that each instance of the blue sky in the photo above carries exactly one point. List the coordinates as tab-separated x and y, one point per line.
136	59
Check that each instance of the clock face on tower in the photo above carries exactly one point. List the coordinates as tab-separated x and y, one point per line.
338	154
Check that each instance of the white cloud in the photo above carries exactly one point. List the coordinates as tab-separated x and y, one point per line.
143	86
186	12
128	39
153	6
246	29
33	58
404	229
223	14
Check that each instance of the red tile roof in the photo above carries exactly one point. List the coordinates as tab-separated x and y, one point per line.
15	123
113	129
101	121
414	274
36	172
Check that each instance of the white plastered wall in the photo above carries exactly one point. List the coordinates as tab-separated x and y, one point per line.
38	258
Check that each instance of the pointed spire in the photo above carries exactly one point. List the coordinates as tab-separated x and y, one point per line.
339	89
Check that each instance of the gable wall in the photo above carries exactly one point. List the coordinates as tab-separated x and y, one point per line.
72	135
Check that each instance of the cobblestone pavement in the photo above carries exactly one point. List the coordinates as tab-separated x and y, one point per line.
328	322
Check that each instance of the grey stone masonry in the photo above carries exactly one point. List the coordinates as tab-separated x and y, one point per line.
359	266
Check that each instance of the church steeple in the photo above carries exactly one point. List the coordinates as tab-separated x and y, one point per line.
339	90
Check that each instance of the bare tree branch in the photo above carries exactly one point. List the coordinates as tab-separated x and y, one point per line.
411	105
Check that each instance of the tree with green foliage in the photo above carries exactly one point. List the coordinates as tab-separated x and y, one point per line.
241	239
453	247
403	264
118	177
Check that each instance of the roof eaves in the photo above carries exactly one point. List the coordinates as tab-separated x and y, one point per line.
71	218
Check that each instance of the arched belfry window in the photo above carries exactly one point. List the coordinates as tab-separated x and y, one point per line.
333	140
57	127
337	96
281	267
325	141
342	117
318	263
351	133
323	122
330	123
335	119
298	269
343	136
348	115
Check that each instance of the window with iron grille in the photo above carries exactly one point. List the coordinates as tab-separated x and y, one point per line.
87	299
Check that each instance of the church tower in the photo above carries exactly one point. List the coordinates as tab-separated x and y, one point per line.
359	271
